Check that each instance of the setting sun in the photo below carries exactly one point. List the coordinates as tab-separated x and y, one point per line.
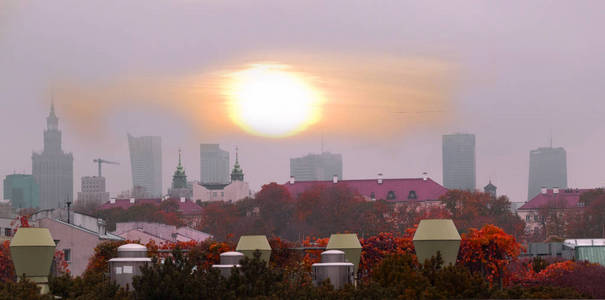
272	100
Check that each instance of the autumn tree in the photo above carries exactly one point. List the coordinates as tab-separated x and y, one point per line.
488	251
475	209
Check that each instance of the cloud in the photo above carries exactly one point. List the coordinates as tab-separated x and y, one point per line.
366	96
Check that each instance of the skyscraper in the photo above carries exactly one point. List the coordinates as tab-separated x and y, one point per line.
547	168
146	165
315	167
22	191
53	169
459	161
214	164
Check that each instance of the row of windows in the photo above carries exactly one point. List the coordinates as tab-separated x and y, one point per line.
7	231
537	218
392	196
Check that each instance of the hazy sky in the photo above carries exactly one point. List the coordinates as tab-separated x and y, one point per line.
508	71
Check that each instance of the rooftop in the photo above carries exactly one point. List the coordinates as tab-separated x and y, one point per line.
563	199
186	207
403	189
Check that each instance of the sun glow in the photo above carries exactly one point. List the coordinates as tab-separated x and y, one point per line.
271	100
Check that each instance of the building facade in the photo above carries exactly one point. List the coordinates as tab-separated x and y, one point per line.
459	161
52	168
93	190
547	168
236	190
549	202
422	191
146	165
316	167
159	233
214	164
22	191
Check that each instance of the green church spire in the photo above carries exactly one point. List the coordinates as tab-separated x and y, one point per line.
237	174
179	179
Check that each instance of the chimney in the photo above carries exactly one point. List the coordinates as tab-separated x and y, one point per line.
555	190
131	200
112	200
379	178
292	180
544	190
182	199
335	179
425	176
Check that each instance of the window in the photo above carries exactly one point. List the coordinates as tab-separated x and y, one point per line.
391	196
127	269
213	194
536	218
67	254
8	232
222	194
372	196
412	195
527	218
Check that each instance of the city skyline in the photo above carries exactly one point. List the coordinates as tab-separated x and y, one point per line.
508	82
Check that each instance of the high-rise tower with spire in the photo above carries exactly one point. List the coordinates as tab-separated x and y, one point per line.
52	168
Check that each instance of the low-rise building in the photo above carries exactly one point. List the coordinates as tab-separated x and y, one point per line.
422	191
188	209
159	233
548	202
77	236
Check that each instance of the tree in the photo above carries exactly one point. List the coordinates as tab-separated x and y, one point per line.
489	251
475	209
7	269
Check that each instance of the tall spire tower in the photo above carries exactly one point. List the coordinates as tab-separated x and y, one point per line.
53	168
237	174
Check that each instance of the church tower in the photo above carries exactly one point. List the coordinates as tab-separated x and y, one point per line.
237	174
180	188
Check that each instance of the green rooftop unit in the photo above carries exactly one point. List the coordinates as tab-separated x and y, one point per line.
435	235
32	251
349	244
249	243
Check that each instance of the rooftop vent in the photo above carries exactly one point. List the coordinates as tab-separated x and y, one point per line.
555	190
379	178
292	180
183	199
112	200
543	190
425	176
335	179
131	200
333	267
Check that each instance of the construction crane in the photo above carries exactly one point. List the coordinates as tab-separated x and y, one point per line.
102	161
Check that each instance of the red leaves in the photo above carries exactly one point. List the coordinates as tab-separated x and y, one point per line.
7	269
489	251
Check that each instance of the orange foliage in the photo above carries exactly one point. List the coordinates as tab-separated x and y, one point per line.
313	256
377	247
489	251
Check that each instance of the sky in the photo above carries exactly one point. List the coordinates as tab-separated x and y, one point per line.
396	75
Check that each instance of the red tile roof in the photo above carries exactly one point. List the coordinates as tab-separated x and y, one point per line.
187	207
564	199
425	190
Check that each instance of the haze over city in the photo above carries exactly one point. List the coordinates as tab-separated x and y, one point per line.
390	78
